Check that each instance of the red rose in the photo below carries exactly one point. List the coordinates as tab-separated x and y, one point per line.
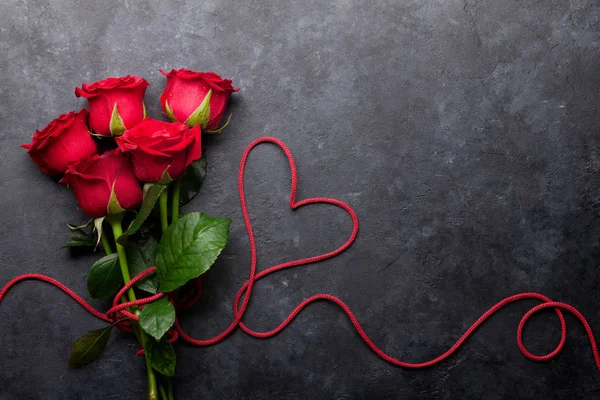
156	145
185	92
116	104
65	140
95	178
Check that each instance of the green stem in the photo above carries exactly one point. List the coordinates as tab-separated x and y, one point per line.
105	244
163	393
165	388
170	389
115	223
152	387
175	201
164	222
108	250
164	218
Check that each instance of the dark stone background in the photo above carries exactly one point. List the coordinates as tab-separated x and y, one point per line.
464	134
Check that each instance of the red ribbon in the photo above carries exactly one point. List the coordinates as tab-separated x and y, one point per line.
242	297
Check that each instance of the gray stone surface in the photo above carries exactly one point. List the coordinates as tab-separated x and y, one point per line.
464	134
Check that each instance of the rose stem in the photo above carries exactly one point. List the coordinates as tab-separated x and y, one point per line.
175	201
164	218
165	224
170	389
163	394
115	223
108	250
152	388
105	244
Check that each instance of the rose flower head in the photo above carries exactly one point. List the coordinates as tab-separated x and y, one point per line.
196	98
64	141
104	184
158	146
116	104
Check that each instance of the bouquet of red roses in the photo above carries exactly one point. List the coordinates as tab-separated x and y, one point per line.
144	161
157	268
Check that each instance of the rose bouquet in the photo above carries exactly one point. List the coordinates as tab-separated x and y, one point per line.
120	164
134	172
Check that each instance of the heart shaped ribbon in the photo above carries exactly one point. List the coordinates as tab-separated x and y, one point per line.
246	288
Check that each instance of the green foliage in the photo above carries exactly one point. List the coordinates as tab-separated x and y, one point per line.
157	318
88	347
189	248
141	256
105	279
161	355
192	180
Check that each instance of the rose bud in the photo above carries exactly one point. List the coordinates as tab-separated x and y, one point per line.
116	104
104	184
157	145
65	140
196	98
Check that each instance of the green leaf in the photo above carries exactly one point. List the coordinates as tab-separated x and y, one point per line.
202	114
161	355
169	112
188	248
157	317
117	127
105	279
79	238
141	256
151	195
219	130
192	180
88	347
